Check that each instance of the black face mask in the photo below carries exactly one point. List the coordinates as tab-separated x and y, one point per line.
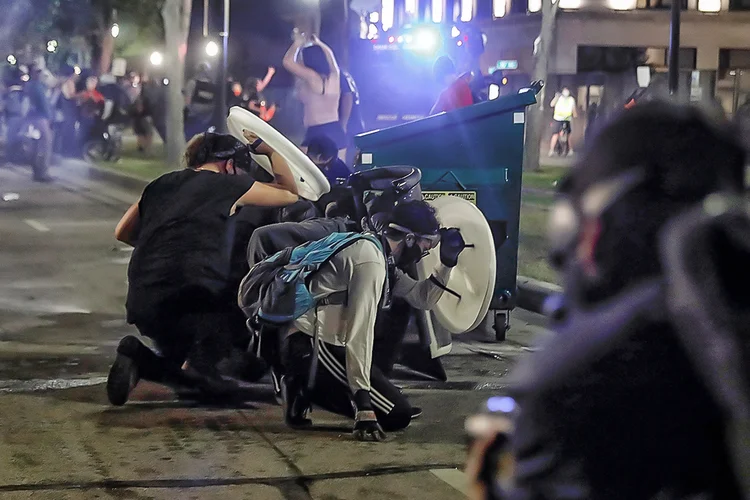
409	255
226	147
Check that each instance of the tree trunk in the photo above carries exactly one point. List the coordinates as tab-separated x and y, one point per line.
542	55
176	16
107	50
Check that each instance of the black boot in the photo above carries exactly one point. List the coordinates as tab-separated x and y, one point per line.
123	376
296	404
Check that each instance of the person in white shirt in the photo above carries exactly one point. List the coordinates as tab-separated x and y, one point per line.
565	110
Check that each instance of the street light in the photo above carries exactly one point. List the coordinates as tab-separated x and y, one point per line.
115	30
11	60
156	58
77	70
212	49
52	46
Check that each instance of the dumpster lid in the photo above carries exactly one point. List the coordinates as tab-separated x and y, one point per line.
505	104
473	279
311	183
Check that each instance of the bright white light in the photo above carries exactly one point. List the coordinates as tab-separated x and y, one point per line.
165	81
387	9
535	5
437	11
407	38
498	8
467	10
25	78
455	32
77	70
484	39
372	32
411	6
156	58
374	17
709	5
426	40
115	30
53	43
11	59
212	48
51	48
622	4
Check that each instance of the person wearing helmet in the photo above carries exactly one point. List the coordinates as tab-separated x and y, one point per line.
179	291
327	354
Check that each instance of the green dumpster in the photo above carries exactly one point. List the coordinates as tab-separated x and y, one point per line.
475	153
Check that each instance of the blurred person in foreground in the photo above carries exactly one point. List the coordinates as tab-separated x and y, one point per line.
614	406
457	88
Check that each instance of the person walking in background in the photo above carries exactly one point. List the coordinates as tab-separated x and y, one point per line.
320	88
40	116
90	107
350	113
457	93
68	107
142	128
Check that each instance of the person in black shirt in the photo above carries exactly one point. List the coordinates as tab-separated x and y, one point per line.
324	153
179	291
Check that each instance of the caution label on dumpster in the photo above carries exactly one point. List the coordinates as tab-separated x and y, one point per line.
470	196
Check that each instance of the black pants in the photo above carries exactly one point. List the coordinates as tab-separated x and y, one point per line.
331	390
197	328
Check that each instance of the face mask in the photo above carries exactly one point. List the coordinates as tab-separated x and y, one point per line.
409	255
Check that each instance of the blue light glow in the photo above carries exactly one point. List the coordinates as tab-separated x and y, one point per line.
501	404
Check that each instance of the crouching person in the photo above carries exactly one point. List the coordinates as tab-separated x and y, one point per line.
336	288
179	291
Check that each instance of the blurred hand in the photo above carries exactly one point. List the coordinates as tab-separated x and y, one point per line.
271	70
486	432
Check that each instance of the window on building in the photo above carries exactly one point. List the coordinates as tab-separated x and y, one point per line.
518	6
437	11
660	4
709	5
410	7
739	4
498	8
622	4
467	10
570	4
535	5
386	14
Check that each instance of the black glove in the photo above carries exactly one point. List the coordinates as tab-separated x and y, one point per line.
451	245
367	428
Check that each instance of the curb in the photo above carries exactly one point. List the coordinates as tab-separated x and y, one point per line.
532	294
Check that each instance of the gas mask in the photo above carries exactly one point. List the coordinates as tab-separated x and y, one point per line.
568	214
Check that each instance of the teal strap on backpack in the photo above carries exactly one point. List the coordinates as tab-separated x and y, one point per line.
289	297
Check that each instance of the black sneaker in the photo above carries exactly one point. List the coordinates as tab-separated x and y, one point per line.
296	405
123	376
416	412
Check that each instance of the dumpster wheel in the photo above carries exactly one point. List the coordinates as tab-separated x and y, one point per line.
501	325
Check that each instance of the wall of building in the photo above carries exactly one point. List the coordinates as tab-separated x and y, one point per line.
513	37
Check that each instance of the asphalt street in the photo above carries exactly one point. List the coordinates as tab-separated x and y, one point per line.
62	290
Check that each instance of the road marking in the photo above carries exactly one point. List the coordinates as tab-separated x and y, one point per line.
454	478
46	385
37	225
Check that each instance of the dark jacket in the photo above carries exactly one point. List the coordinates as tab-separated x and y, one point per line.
40	107
613	408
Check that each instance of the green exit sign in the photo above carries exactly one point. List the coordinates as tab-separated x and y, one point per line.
509	64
